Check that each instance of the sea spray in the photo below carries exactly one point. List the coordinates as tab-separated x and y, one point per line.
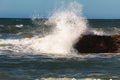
68	25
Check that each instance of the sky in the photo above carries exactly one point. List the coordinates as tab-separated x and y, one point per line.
92	9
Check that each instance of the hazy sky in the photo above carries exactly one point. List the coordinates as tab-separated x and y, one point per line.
29	8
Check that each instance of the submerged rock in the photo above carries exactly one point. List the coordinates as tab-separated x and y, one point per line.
98	44
28	35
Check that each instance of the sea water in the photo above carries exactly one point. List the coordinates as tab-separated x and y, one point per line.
49	53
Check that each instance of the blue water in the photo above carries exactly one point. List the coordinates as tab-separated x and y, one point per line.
37	67
102	66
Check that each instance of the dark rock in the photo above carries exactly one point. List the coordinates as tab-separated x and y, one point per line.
98	44
28	35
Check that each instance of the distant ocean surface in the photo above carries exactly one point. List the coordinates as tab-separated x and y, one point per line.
17	25
17	62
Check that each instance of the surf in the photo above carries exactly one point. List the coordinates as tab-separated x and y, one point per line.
68	25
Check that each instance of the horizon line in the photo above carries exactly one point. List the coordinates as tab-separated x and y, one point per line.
47	18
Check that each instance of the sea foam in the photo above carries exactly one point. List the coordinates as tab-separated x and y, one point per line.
68	26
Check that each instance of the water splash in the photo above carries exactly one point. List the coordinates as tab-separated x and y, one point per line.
68	25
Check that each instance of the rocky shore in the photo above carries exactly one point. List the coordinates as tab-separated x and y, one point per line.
95	43
98	44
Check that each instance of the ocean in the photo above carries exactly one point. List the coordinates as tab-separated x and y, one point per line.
42	49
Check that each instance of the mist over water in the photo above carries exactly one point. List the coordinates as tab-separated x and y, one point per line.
67	26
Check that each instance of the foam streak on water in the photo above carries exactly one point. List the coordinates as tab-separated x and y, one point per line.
68	25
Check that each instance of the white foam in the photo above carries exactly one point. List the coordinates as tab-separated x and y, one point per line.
69	79
19	26
102	31
68	25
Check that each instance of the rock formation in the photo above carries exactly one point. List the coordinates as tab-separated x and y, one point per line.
98	44
27	35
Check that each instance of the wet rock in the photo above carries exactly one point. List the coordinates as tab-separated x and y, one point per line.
98	44
27	35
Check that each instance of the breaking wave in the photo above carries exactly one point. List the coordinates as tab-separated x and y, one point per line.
67	26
